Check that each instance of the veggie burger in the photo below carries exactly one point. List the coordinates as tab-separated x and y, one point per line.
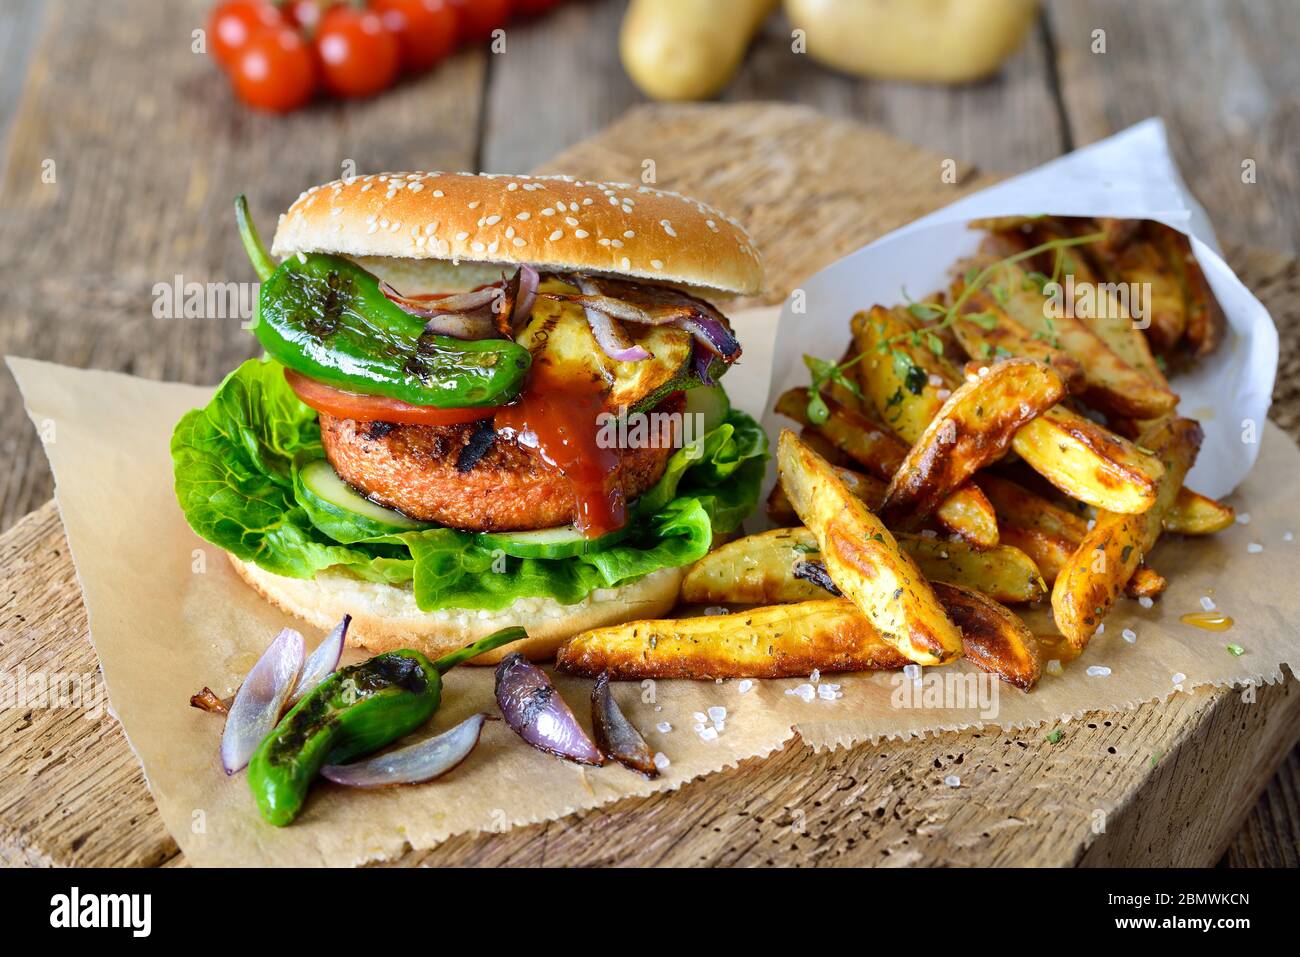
484	401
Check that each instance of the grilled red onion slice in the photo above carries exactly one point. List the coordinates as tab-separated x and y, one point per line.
260	699
322	662
524	295
610	336
462	315
615	734
712	333
413	764
701	362
535	711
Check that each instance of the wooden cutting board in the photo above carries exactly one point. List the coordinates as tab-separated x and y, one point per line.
1164	784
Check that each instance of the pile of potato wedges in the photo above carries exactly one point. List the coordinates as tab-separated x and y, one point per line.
1008	441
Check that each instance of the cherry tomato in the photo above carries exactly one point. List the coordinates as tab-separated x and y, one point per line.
530	8
358	55
425	29
275	70
375	408
305	14
478	18
233	23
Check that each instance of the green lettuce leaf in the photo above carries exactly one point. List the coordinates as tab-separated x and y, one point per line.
235	463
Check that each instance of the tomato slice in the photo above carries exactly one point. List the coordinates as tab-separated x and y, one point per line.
376	408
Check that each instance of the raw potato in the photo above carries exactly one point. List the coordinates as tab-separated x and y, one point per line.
994	638
1087	462
1195	514
934	41
778	641
765	568
864	560
1107	557
687	49
974	427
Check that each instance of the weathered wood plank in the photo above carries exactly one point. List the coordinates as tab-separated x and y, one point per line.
1223	75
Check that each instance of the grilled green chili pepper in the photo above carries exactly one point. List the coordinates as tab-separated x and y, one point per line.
327	318
354	711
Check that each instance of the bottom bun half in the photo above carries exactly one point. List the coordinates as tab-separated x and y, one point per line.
385	617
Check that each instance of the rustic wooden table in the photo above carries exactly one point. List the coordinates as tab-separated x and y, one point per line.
110	97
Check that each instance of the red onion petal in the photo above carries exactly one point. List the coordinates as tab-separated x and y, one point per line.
260	699
613	339
456	302
322	662
463	325
615	735
413	764
529	280
535	711
713	334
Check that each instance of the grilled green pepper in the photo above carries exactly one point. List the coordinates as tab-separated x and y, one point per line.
354	711
327	318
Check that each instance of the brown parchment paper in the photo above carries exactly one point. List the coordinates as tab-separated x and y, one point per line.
167	616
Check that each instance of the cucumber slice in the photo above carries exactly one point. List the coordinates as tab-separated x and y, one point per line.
340	512
563	541
711	402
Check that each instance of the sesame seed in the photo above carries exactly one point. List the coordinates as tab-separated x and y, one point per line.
462	236
557	234
711	224
569	220
524	216
656	264
627	263
668	227
604	241
475	204
366	187
548	211
492	220
587	201
581	233
511	187
629	234
415	187
559	204
477	247
439	193
1098	671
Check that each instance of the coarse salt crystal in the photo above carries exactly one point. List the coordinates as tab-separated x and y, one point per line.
1243	518
1100	629
912	671
717	713
1254	548
816	675
709	734
1129	635
826	692
745	686
663	727
1054	667
661	760
697	728
1288	536
952	781
1207	603
805	691
1098	671
1145	601
700	716
1179	678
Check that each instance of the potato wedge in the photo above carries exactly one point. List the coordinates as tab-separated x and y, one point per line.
870	490
873	447
996	336
1195	514
785	565
864	559
1105	560
1111	383
1088	462
994	638
974	427
906	385
1142	265
1045	532
1205	320
777	641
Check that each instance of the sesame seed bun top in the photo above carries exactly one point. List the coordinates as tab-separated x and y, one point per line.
551	222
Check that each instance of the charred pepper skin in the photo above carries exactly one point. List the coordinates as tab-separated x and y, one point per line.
355	711
327	318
